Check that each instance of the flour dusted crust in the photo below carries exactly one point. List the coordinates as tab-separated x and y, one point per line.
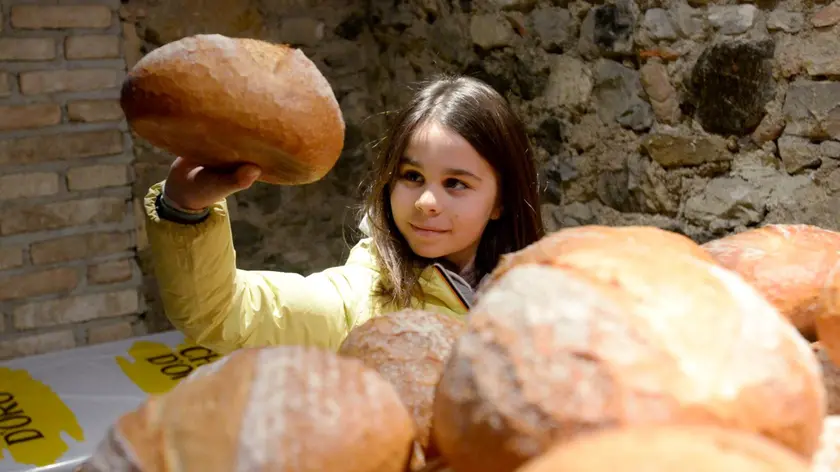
279	409
827	459
596	237
792	265
610	335
409	348
226	101
669	448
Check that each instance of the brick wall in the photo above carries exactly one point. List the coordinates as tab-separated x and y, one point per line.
68	270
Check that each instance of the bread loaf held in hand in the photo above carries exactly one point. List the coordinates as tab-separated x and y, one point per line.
409	348
222	102
566	341
278	409
795	266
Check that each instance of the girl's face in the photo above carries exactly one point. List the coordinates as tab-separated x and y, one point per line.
444	195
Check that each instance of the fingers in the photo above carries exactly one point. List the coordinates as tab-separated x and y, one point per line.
246	175
193	186
240	179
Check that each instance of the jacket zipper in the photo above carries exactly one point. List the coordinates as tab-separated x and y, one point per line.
453	287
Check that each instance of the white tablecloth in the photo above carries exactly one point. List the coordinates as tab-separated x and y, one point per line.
55	408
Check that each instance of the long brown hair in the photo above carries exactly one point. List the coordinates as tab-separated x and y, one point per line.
484	118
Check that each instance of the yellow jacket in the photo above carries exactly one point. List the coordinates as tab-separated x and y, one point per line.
224	308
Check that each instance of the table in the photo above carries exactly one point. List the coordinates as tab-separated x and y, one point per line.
56	407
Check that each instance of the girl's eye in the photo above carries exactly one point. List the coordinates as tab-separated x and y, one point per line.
456	184
412	176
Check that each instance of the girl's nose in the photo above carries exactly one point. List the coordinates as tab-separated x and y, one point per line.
428	202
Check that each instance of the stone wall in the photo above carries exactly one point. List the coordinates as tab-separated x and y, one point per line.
695	116
68	275
699	117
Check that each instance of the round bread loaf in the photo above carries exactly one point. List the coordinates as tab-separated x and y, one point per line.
598	236
278	409
223	102
569	341
790	264
409	349
668	448
827	459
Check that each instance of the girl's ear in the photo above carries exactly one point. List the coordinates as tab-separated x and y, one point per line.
497	208
497	213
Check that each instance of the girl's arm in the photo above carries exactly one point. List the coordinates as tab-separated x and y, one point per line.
215	304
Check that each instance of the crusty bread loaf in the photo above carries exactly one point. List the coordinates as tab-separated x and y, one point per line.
409	349
790	264
279	409
225	101
580	339
827	459
831	379
598	236
668	448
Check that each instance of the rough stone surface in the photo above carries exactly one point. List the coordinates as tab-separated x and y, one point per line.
820	54
514	4
608	29
732	19
569	83
689	22
812	109
491	31
677	151
798	154
771	126
813	53
555	28
727	202
661	93
302	31
787	21
830	149
617	93
733	81
658	24
827	16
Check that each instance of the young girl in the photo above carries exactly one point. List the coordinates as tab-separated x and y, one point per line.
454	189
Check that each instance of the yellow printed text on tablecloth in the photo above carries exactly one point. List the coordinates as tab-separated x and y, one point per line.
32	418
156	368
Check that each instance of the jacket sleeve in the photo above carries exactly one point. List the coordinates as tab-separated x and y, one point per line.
219	306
